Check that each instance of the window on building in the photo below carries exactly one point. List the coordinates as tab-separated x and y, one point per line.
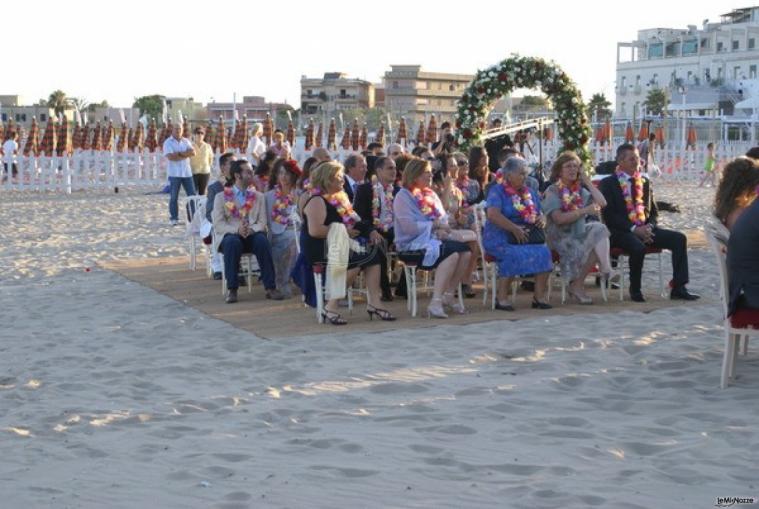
623	108
655	79
719	73
168	103
690	47
656	50
736	72
736	45
395	84
451	87
719	46
43	117
637	80
704	43
309	92
624	82
5	117
751	43
690	76
751	72
23	117
342	93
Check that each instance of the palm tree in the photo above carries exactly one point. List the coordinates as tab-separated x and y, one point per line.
58	101
599	106
656	102
79	103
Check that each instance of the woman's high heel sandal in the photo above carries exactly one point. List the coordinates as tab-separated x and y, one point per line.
453	303
333	318
382	314
581	299
435	309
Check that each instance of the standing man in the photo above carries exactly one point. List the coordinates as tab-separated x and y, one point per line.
10	149
355	173
256	147
631	215
178	151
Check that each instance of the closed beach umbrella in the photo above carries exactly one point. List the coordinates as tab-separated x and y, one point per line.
380	138
691	136
8	130
76	137
110	132
660	136
234	140
402	136
244	133
97	138
208	138
151	139
136	140
310	135
607	131
432	130
47	146
186	128
332	135
362	138
355	135
220	144
319	134
165	133
643	133
420	133
629	134
85	137
346	141
64	145
290	134
32	140
123	144
599	136
268	129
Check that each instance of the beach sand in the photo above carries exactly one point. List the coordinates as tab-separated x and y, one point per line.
114	395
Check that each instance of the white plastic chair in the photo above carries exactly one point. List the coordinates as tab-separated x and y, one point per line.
556	276
620	255
489	265
248	269
196	210
718	241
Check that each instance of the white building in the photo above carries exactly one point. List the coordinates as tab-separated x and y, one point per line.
706	71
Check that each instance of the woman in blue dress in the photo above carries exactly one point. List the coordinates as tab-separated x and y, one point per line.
513	234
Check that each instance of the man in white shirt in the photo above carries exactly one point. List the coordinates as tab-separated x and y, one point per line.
178	151
10	149
256	147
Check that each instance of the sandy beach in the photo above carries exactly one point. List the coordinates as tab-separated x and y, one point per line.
114	395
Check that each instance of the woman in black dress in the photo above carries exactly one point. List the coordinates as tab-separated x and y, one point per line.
328	204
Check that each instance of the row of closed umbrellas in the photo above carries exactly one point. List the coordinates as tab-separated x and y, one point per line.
604	134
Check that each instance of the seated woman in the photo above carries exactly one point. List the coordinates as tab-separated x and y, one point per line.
572	205
513	234
479	171
460	216
737	190
421	236
328	204
469	187
280	208
262	176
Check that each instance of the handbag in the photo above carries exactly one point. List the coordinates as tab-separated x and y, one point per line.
535	235
462	236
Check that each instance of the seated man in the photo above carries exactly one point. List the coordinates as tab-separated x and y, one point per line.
239	220
225	162
742	260
631	214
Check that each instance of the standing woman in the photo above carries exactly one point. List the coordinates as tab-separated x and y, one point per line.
281	213
572	205
479	170
422	235
201	162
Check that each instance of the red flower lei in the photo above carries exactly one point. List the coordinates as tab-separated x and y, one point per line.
387	203
425	200
635	213
522	202
282	208
230	202
571	197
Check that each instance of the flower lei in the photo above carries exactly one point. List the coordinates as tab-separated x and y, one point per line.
522	202
282	208
340	201
635	213
463	184
387	199
425	200
230	203
571	197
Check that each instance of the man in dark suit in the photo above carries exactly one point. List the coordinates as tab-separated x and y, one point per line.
374	203
742	260
355	173
633	235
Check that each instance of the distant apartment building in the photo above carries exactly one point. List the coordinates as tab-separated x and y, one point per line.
190	109
105	114
12	107
255	107
705	70
415	93
334	92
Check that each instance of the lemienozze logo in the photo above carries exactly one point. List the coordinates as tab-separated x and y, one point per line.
731	501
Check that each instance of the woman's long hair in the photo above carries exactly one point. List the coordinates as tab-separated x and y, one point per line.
737	187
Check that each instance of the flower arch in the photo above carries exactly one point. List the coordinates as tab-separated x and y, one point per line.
516	72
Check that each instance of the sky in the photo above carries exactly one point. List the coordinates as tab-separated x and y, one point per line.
209	50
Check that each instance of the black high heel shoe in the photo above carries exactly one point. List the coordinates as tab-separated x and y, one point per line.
536	304
333	318
382	314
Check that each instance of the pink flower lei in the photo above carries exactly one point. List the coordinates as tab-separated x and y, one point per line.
571	196
522	202
386	194
636	212
230	203
425	200
282	207
342	204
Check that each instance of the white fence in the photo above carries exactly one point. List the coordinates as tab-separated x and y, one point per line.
87	169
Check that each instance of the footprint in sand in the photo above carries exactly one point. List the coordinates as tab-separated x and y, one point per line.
232	457
452	429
